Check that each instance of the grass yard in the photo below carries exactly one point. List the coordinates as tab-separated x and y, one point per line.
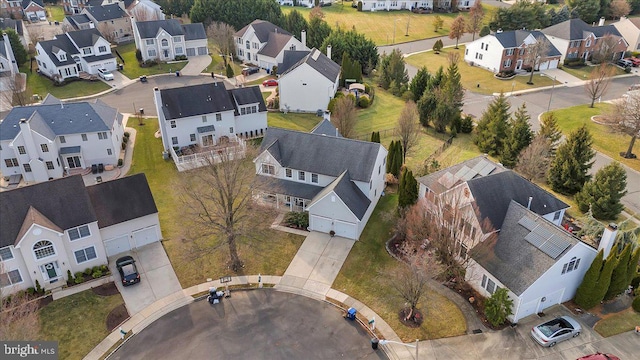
473	75
380	26
77	322
41	85
132	69
604	140
55	12
362	277
270	253
293	121
583	72
217	65
618	323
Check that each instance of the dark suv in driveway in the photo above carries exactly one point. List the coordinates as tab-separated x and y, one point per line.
250	70
128	271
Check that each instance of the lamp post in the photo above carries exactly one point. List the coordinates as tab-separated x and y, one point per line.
394	31
553	86
408	21
385	342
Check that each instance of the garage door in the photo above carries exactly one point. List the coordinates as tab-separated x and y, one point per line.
550	300
145	236
202	50
345	229
320	223
191	52
527	309
117	245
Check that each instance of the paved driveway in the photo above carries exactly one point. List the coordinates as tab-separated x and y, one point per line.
261	324
157	278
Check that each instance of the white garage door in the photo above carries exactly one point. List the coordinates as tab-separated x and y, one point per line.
550	300
202	50
145	236
191	52
345	229
117	245
320	223
527	309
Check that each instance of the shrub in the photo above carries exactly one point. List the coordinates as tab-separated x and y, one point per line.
339	95
96	274
88	271
123	145
332	104
467	125
149	63
498	307
138	55
104	268
125	139
79	279
298	219
38	287
31	291
627	70
367	88
96	268
126	134
636	281
352	97
120	162
276	103
636	304
69	276
181	57
363	102
359	5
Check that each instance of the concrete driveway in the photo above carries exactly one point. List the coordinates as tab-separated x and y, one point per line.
157	278
196	65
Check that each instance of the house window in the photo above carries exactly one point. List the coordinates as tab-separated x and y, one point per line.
11	162
43	249
192	137
556	215
268	169
479	56
178	50
486	48
62	139
507	63
102	135
21	150
6	254
466	51
102	49
288	173
204	118
571	265
49	165
314	178
379	169
150	41
27	168
151	52
85	254
79	232
482	46
172	123
87	51
247	45
301	175
10	278
521	52
588	43
509	52
84	137
463	251
176	39
165	42
218	117
243	111
174	140
109	152
489	284
370	184
231	130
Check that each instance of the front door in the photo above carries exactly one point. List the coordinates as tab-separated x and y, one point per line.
74	162
50	271
166	54
519	65
207	140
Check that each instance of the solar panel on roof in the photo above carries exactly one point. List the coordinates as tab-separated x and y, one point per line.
527	223
535	239
460	173
447	180
554	246
482	163
469	175
487	169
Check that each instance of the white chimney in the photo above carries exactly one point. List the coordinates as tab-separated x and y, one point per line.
608	238
622	18
329	51
327	115
303	38
529	203
601	22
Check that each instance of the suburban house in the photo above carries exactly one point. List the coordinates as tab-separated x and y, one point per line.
77	22
11	8
61	225
76	6
47	141
165	39
72	53
145	10
306	3
575	39
8	64
206	115
34	10
263	44
511	235
339	190
15	25
302	86
386	5
505	51
629	28
112	21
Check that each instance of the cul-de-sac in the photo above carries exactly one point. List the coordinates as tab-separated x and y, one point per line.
319	179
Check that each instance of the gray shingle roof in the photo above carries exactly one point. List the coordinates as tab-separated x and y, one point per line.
493	194
3	53
25	3
248	95
348	192
51	199
194	31
290	58
513	260
76	20
195	100
60	43
286	187
262	30
443	180
122	200
319	62
576	29
149	29
553	51
106	12
84	38
275	44
6	23
515	38
321	154
72	118
325	127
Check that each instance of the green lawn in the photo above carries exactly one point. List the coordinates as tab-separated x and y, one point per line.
293	121
583	72
217	65
41	85
362	277
618	323
472	76
270	253
77	322
379	26
604	141
132	69
55	12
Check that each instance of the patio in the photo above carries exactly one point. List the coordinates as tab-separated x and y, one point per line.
195	155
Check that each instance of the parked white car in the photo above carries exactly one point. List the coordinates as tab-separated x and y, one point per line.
105	74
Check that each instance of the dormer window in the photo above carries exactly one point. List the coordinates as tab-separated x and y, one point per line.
102	49
62	57
248	45
87	51
165	42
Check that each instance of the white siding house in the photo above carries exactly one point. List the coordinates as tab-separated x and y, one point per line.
39	242
165	39
629	28
8	64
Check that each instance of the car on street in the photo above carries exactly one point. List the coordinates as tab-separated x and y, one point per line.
550	333
624	63
105	74
634	61
599	356
126	266
250	70
270	82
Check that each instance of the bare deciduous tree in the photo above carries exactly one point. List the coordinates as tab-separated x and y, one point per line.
108	32
534	160
344	116
18	316
606	48
408	128
599	81
625	118
16	93
316	12
66	28
221	34
535	53
218	204
476	15
143	13
619	8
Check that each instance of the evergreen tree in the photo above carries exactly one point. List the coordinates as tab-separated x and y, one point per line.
570	167
237	13
16	45
317	31
587	10
586	294
360	48
485	31
373	136
603	194
632	266
229	71
604	280
562	15
397	160
426	107
498	307
393	71
437	46
390	156
492	129
522	14
412	191
378	137
619	281
419	83
350	69
407	189
294	23
549	129
466	126
450	96
519	136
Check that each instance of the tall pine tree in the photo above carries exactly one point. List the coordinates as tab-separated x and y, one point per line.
519	136
603	195
390	156
549	129
619	281
587	294
419	83
570	168
493	126
604	280
632	266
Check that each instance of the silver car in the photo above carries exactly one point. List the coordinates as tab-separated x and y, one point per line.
556	330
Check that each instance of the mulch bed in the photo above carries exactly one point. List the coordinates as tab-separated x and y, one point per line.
467	292
45	301
116	317
107	289
414	322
